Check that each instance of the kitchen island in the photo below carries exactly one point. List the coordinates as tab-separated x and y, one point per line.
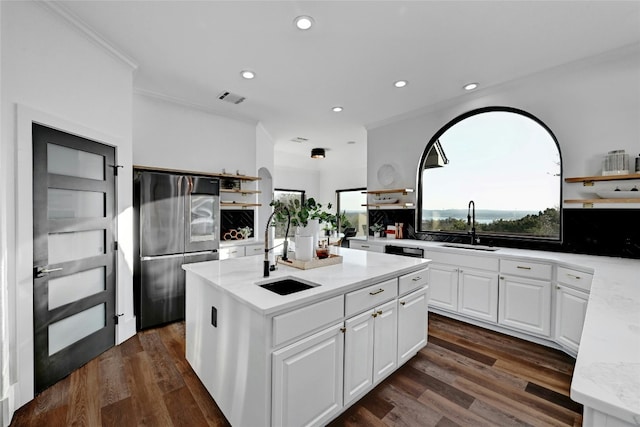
303	358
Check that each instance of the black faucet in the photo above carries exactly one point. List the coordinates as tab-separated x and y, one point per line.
266	239
471	222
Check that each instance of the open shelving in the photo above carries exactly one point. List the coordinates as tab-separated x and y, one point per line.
587	181
402	191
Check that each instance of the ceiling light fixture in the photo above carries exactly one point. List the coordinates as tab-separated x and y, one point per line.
303	22
317	153
247	74
400	83
336	109
470	86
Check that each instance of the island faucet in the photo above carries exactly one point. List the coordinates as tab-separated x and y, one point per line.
266	238
471	221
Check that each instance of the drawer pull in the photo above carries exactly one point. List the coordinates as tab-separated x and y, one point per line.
379	312
343	330
376	292
522	267
573	276
415	279
374	314
365	246
402	302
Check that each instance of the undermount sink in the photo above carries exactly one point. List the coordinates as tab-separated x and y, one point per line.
468	246
286	286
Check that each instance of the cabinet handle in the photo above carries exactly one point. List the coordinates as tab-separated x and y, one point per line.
376	292
343	330
522	267
402	302
365	246
234	252
461	270
415	279
375	314
558	287
573	276
379	312
501	277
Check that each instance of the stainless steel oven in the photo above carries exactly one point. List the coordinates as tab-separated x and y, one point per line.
404	251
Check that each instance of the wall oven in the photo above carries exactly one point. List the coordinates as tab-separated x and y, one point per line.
404	251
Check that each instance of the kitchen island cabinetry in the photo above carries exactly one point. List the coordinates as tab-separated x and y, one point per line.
282	360
572	296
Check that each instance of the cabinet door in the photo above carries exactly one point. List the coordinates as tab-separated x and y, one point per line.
358	355
307	379
385	341
443	283
525	304
478	294
571	307
412	324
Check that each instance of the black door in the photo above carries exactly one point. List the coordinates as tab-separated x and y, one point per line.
73	252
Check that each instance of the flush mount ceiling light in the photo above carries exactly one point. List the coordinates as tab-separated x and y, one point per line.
470	86
336	109
247	74
303	22
317	153
400	83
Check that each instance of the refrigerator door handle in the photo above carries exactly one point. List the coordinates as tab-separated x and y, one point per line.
148	258
188	254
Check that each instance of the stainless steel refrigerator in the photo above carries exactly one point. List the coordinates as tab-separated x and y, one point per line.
178	220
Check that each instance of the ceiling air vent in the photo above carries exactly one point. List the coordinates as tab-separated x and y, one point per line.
231	97
299	139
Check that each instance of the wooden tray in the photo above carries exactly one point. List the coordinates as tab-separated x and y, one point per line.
314	263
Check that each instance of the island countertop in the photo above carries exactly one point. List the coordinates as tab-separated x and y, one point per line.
241	277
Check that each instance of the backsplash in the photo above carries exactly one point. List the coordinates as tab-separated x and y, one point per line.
606	232
234	219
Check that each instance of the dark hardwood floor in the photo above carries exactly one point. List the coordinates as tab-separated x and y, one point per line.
466	376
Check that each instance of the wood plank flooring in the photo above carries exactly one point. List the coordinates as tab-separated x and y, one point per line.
466	376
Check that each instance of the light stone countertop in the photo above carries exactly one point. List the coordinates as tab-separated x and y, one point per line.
607	371
240	277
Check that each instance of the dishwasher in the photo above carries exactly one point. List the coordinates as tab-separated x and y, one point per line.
404	251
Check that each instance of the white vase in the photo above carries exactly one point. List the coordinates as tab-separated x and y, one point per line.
304	248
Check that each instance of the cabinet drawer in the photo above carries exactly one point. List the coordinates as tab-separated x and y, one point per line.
469	261
575	278
526	269
231	252
412	281
353	244
306	319
370	296
254	250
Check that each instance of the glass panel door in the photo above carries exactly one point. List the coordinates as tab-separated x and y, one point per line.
73	252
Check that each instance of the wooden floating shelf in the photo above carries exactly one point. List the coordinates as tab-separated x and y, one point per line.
240	205
392	191
391	205
215	175
594	201
586	179
226	190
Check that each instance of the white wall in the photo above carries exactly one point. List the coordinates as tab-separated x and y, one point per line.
291	178
340	179
265	167
169	135
53	74
592	106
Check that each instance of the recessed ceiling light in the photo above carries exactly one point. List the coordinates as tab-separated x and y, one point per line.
247	74
336	109
317	153
303	22
470	86
400	83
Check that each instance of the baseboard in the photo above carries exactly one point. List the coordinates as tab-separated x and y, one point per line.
7	406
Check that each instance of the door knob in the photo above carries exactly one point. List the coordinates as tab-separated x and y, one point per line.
42	271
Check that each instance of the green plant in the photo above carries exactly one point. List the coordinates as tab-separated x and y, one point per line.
301	213
376	228
344	220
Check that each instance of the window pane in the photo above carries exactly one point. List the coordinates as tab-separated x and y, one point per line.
507	163
73	328
75	204
285	196
74	287
353	215
75	245
71	162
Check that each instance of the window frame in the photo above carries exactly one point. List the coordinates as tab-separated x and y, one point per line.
345	190
493	238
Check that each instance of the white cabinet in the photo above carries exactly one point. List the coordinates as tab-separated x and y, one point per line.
257	249
412	323
231	252
478	294
572	295
467	291
370	349
571	307
307	379
525	304
443	281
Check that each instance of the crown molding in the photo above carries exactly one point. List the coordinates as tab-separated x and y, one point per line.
75	22
193	105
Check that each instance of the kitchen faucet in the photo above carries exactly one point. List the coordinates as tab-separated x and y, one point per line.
471	222
266	238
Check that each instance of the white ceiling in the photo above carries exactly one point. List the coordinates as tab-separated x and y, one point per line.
193	50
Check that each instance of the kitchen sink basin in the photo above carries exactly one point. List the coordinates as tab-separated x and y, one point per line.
286	286
472	247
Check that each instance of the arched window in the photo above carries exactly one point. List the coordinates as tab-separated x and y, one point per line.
504	160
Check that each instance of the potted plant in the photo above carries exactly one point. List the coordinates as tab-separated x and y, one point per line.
377	228
302	213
